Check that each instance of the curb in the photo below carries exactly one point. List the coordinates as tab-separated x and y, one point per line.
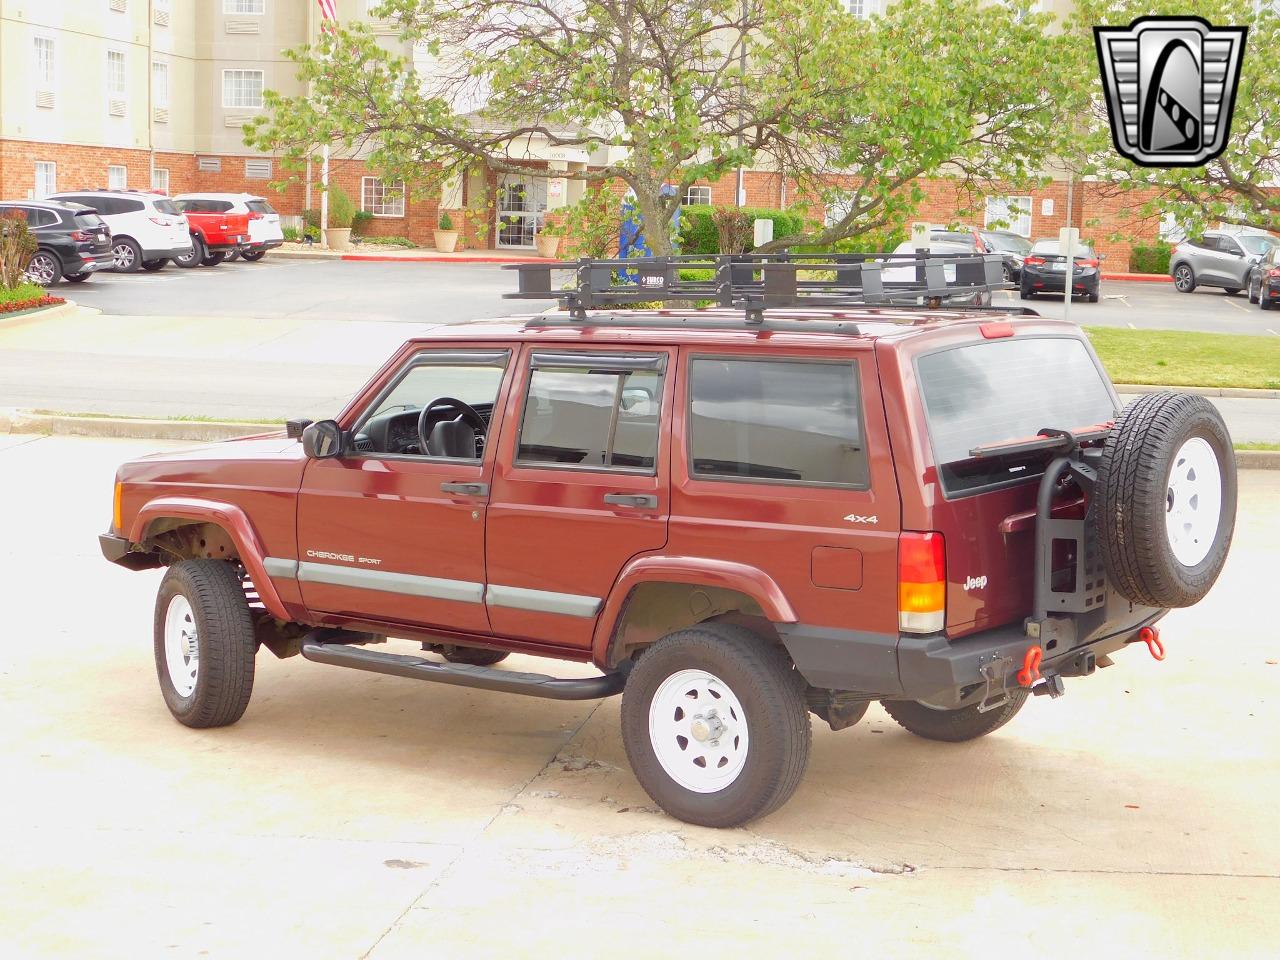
1243	392
21	421
1138	277
408	258
45	313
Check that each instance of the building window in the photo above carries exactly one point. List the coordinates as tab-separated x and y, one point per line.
117	177
242	88
46	179
159	84
862	9
161	12
115	75
380	198
697	197
254	7
1009	213
44	63
160	179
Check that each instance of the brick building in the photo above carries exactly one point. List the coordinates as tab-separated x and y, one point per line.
153	94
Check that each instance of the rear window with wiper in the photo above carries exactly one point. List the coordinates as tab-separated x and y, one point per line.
168	207
1002	390
89	221
260	206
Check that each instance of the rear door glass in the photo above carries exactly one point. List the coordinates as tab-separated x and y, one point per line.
993	392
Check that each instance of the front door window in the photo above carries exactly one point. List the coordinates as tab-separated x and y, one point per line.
522	201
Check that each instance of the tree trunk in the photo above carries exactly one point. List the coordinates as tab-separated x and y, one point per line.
655	219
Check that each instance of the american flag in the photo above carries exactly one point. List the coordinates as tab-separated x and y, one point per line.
328	15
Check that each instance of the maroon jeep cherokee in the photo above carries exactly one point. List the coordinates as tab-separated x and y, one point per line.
741	514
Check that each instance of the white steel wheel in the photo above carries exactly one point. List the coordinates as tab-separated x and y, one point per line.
699	731
1193	501
181	646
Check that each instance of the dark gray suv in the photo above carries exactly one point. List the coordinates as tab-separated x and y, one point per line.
1218	259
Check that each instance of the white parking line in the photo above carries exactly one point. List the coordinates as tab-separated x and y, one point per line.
1272	332
1132	327
1237	306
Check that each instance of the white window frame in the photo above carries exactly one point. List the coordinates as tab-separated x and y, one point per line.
240	89
1004	217
160	84
122	91
244	8
860	9
49	170
374	200
45	68
703	191
117	171
160	179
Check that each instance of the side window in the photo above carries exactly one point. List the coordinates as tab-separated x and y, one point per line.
776	421
44	218
461	387
592	411
1230	246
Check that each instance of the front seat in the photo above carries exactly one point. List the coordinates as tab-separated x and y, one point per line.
452	438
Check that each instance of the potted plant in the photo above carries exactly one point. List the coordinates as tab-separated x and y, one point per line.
341	212
446	235
547	239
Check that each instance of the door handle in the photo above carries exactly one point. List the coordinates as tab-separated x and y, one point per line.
466	489
642	500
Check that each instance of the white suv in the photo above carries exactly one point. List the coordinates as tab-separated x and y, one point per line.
264	223
147	229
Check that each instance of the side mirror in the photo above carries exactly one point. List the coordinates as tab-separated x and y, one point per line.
322	440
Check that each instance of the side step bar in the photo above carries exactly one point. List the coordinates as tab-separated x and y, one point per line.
464	675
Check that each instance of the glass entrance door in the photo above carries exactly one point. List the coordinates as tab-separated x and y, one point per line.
521	204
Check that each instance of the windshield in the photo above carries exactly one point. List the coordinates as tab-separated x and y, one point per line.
1052	247
1008	243
987	393
1257	243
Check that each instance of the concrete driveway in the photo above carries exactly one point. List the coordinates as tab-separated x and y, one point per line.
350	815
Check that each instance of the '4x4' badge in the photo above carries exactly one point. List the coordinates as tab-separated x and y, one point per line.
859	518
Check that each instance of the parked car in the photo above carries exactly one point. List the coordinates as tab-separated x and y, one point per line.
1218	259
265	232
907	273
215	232
1044	270
1013	249
1264	280
741	516
74	241
147	229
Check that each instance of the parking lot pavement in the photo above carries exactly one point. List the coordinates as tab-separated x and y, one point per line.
1157	306
352	815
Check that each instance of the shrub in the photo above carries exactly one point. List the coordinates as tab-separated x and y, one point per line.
1150	259
24	296
446	221
311	218
389	242
341	210
16	247
360	221
699	236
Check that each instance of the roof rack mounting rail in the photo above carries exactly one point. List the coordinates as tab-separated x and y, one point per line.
755	283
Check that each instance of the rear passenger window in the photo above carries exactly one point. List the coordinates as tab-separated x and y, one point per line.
776	421
597	412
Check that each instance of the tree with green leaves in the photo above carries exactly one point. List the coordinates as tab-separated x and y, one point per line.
1242	186
663	93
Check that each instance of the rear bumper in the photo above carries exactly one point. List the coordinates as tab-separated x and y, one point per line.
1057	281
97	261
253	245
938	670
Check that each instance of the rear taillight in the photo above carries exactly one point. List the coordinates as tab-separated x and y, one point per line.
922	582
253	215
79	236
1088	263
1034	261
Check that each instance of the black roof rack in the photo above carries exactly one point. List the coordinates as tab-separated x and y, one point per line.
754	283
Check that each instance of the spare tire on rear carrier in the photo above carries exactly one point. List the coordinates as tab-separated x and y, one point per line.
1166	499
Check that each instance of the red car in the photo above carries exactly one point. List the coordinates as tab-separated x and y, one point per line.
740	515
215	234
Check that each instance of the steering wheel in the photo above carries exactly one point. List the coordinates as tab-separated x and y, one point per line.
467	413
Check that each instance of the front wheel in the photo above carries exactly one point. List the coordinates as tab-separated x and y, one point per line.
204	643
715	725
1231	291
77	277
1184	278
473	656
953	726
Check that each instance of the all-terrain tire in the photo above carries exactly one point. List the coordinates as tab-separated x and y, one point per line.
775	718
1136	490
224	637
953	726
475	656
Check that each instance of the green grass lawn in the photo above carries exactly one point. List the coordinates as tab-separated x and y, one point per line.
1188	359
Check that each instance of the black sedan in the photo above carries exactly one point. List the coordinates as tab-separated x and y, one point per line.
1044	270
1264	280
74	241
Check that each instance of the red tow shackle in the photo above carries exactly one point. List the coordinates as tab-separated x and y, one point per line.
1151	637
1030	671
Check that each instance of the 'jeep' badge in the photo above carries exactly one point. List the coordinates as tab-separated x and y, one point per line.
1170	84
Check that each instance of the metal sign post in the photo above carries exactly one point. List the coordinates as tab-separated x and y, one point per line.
1068	241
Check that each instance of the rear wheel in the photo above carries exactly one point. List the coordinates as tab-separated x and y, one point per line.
154	265
1025	293
77	277
212	259
1265	302
1166	499
44	268
953	726
192	259
475	656
126	255
1231	291
1253	297
231	255
253	256
204	643
1184	278
715	725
